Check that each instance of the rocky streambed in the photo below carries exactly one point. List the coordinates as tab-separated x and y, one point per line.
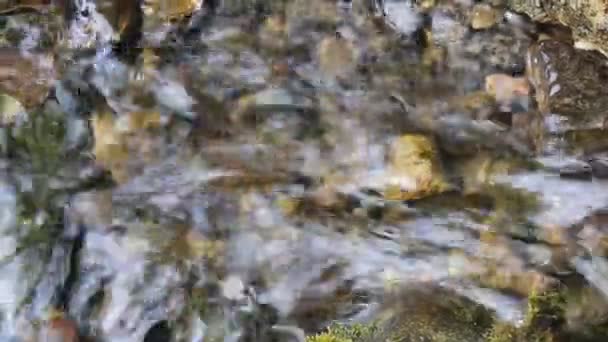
298	170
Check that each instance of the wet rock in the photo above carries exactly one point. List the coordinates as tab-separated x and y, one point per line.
599	167
544	319
591	233
405	19
461	138
484	17
116	137
31	234
515	279
476	172
500	48
579	170
20	6
431	313
281	98
586	18
446	29
585	141
27	78
110	147
235	8
530	128
159	14
568	82
272	108
595	270
414	168
480	105
583	309
32	27
137	291
174	96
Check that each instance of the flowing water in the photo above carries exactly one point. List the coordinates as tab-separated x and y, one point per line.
257	171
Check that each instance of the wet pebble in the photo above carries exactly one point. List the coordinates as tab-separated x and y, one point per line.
599	167
581	171
484	17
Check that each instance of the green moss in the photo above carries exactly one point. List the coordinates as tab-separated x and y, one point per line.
326	337
345	333
442	316
437	315
546	310
545	320
41	141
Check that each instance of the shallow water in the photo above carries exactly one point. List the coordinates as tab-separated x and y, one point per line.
252	175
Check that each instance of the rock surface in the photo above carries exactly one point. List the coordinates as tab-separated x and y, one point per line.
586	18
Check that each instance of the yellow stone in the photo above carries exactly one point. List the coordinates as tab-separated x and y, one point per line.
144	120
287	205
484	17
414	157
110	148
426	4
201	247
171	9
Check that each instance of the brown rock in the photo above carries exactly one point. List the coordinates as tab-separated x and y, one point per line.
568	81
26	78
59	330
588	19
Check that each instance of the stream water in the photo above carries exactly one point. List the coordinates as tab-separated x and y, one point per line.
257	171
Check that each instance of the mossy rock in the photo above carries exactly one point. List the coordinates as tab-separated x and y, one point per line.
545	320
435	315
421	314
345	333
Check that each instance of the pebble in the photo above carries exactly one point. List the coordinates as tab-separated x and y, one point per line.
580	171
599	167
484	17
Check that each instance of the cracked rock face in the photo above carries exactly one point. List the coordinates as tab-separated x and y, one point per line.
588	19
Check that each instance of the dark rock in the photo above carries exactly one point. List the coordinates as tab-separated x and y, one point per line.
599	167
580	171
